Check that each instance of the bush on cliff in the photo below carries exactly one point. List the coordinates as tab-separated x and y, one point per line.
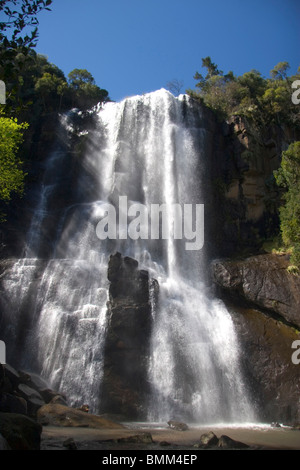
288	177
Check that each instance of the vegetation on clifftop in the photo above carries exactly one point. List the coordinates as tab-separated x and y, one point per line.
261	100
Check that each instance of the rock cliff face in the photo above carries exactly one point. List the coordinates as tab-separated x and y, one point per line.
126	351
264	300
262	281
243	197
266	355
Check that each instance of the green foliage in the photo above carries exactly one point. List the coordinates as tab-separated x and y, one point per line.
11	175
18	36
85	93
288	177
263	101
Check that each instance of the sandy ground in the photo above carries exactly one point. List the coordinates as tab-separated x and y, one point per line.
261	437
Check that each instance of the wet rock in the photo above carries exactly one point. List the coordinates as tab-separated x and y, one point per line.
177	426
4	444
33	398
275	425
12	375
70	444
143	438
265	345
13	404
58	400
164	443
59	415
208	439
48	395
127	346
262	281
20	432
225	442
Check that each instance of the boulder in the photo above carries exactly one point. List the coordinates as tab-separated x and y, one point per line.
4	444
266	361
33	398
13	375
49	395
262	281
225	442
70	444
58	400
20	432
208	439
60	415
12	404
28	392
177	425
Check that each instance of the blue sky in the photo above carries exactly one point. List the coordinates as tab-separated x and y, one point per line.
136	46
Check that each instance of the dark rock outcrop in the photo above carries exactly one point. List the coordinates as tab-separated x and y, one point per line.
4	444
225	442
126	352
264	300
20	432
262	281
24	393
266	355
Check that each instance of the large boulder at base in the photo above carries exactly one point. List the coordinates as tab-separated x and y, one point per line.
12	404
20	432
60	415
263	281
225	442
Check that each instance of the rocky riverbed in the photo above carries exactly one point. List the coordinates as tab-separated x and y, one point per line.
33	417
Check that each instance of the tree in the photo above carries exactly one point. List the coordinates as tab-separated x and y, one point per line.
50	87
21	15
18	36
86	93
262	101
175	86
288	177
11	175
279	72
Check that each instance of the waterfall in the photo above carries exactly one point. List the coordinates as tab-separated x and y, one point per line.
151	149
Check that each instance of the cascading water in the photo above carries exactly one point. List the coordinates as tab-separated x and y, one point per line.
150	149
